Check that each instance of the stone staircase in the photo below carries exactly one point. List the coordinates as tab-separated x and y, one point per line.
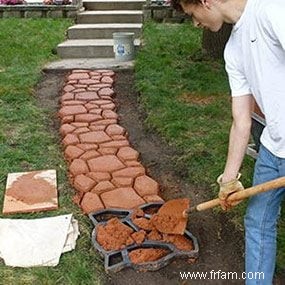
92	36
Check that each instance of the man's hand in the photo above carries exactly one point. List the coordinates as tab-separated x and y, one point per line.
228	188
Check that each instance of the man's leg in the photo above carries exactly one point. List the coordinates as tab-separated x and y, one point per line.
260	222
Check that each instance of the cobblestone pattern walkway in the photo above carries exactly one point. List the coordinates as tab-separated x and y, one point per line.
104	169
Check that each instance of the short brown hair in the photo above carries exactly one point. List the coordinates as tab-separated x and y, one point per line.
176	4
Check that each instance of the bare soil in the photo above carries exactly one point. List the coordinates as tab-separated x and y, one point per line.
221	244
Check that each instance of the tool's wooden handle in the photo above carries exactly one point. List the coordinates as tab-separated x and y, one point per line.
257	189
208	205
270	185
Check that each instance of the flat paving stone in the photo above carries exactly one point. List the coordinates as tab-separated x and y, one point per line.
115	130
127	153
78	76
144	185
66	129
87	95
102	187
83	183
72	110
89	118
129	172
78	166
125	197
72	152
91	203
105	163
30	192
99	176
96	137
70	139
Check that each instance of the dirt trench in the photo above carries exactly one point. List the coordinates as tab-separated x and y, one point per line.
221	245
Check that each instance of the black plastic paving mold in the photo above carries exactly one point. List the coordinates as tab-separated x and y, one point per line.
116	260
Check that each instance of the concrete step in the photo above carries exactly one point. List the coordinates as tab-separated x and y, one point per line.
109	16
100	48
113	4
102	31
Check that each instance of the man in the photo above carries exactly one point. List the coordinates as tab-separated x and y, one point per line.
255	63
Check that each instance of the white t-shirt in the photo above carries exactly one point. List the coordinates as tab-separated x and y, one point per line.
255	62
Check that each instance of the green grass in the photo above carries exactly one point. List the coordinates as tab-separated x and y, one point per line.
186	98
27	142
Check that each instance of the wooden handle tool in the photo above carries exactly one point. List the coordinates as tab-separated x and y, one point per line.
257	189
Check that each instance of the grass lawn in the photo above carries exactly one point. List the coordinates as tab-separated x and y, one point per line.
27	143
186	97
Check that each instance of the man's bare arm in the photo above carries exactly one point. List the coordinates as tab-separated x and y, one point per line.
239	135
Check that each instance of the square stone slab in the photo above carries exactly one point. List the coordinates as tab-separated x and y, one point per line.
30	192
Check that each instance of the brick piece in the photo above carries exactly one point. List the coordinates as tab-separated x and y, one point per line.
89	106
105	122
67	119
87	146
71	82
115	130
72	110
96	137
102	187
72	102
107	150
116	144
78	76
125	197
107	79
102	85
127	153
109	114
105	163
131	163
81	130
110	106
129	172
122	181
79	124
153	198
88	118
88	81
99	176
72	152
108	73
67	96
66	129
102	102
91	203
97	128
87	95
96	111
70	139
78	166
118	137
106	92
79	90
80	85
83	183
90	154
68	88
144	185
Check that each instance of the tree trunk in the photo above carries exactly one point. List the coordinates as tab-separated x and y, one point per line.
214	43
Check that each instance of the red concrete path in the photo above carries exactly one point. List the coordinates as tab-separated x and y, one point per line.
104	169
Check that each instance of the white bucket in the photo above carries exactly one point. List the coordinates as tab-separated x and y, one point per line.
124	47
